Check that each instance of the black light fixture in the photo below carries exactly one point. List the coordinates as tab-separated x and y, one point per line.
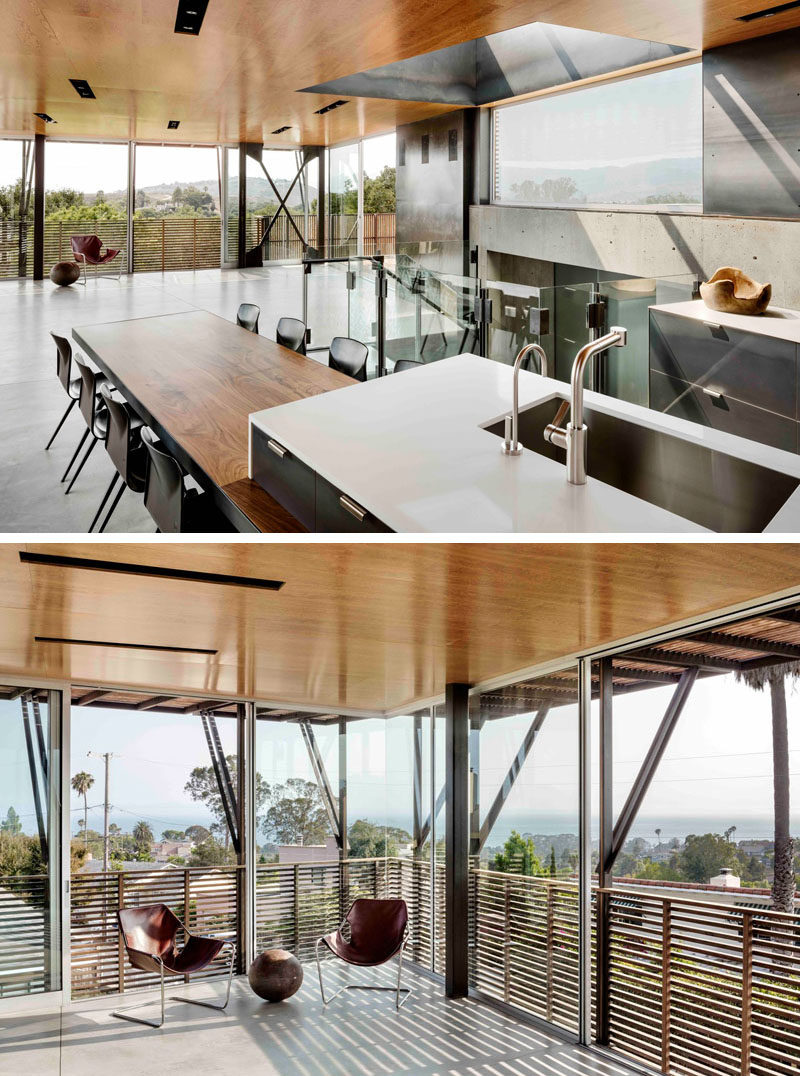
173	125
330	108
280	130
82	87
190	16
768	12
45	117
64	641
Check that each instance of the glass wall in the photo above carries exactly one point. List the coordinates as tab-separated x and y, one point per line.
524	846
16	207
86	193
361	197
30	821
636	142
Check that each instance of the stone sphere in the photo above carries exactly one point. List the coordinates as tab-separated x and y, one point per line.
275	975
64	273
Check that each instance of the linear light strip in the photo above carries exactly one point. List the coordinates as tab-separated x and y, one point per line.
53	560
123	646
768	11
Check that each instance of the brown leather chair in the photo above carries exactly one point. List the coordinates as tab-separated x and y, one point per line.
372	932
87	251
150	935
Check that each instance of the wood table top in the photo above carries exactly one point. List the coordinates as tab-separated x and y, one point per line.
195	378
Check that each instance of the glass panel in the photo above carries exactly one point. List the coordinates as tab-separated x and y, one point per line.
342	223
363	309
230	221
287	231
430	314
327	303
510	326
379	157
30	819
16	207
634	142
86	193
177	223
155	819
524	762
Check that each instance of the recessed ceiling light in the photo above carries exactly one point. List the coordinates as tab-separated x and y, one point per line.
173	125
768	12
190	16
280	130
82	87
330	108
45	117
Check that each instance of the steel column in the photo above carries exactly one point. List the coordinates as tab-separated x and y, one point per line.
243	767
602	1026
38	207
241	256
321	776
417	783
474	783
457	840
585	853
248	766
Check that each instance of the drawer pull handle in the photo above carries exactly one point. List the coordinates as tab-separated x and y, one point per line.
279	450
353	508
712	393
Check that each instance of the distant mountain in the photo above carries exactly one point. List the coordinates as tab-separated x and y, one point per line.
626	184
259	191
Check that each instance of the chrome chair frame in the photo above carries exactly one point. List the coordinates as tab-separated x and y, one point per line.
396	990
80	258
122	1014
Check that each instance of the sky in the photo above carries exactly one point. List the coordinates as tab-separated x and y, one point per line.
92	166
615	123
716	773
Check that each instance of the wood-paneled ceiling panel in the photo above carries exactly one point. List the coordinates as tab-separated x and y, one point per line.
358	626
239	78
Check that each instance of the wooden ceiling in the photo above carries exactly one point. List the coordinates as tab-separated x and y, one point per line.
239	78
356	626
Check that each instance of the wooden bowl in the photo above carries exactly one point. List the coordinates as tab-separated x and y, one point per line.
731	291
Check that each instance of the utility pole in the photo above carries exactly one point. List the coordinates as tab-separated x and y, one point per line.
108	755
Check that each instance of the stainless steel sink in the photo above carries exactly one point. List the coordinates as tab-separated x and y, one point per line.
710	488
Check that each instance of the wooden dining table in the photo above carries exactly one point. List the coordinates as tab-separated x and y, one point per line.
194	378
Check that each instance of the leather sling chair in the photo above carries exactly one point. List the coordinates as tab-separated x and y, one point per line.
149	935
87	249
372	932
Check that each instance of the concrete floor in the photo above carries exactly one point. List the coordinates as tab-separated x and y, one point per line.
359	1034
32	400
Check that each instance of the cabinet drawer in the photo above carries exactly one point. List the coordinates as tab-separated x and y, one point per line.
684	400
755	369
333	516
284	477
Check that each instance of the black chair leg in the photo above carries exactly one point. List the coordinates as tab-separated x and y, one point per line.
122	489
113	483
61	423
75	454
81	464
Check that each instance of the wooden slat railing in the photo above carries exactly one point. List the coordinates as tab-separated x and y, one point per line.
24	934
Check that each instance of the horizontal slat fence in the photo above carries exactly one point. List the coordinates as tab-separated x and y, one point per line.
525	944
205	898
704	989
170	244
24	934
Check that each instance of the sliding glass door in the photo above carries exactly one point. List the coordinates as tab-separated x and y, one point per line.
30	819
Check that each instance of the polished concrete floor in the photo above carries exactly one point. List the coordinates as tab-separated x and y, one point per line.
32	400
359	1034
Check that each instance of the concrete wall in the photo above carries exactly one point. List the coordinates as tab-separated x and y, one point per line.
643	244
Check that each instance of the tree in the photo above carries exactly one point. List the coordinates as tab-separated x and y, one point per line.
143	841
775	676
379	193
20	854
197	199
296	814
705	856
729	832
202	786
658	835
173	835
552	861
12	824
81	783
369	841
561	190
209	853
518	857
197	834
65	198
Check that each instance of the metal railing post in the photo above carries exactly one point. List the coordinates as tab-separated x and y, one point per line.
666	985
186	898
163	241
747	992
120	943
381	291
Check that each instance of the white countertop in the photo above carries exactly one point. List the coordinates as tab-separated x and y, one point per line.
411	450
775	322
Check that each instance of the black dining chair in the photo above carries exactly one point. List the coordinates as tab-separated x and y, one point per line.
174	507
94	413
247	317
70	384
348	356
406	364
124	446
291	332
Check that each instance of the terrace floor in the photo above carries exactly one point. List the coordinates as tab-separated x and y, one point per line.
359	1034
32	400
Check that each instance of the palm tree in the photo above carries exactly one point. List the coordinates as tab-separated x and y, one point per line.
658	835
784	882
81	783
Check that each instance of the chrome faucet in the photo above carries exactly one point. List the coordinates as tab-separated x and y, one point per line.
573	438
511	445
